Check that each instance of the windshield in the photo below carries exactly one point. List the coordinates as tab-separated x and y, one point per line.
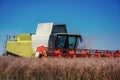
60	42
66	41
72	41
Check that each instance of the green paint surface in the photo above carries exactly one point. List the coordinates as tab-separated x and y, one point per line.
22	46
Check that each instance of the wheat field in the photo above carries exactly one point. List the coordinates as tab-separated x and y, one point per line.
14	68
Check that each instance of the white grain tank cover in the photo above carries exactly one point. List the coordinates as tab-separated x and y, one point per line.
41	37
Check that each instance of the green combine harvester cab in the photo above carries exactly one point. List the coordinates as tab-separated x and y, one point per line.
20	46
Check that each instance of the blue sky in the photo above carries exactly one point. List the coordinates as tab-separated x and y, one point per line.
98	21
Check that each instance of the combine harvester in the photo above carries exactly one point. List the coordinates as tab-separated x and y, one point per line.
57	43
